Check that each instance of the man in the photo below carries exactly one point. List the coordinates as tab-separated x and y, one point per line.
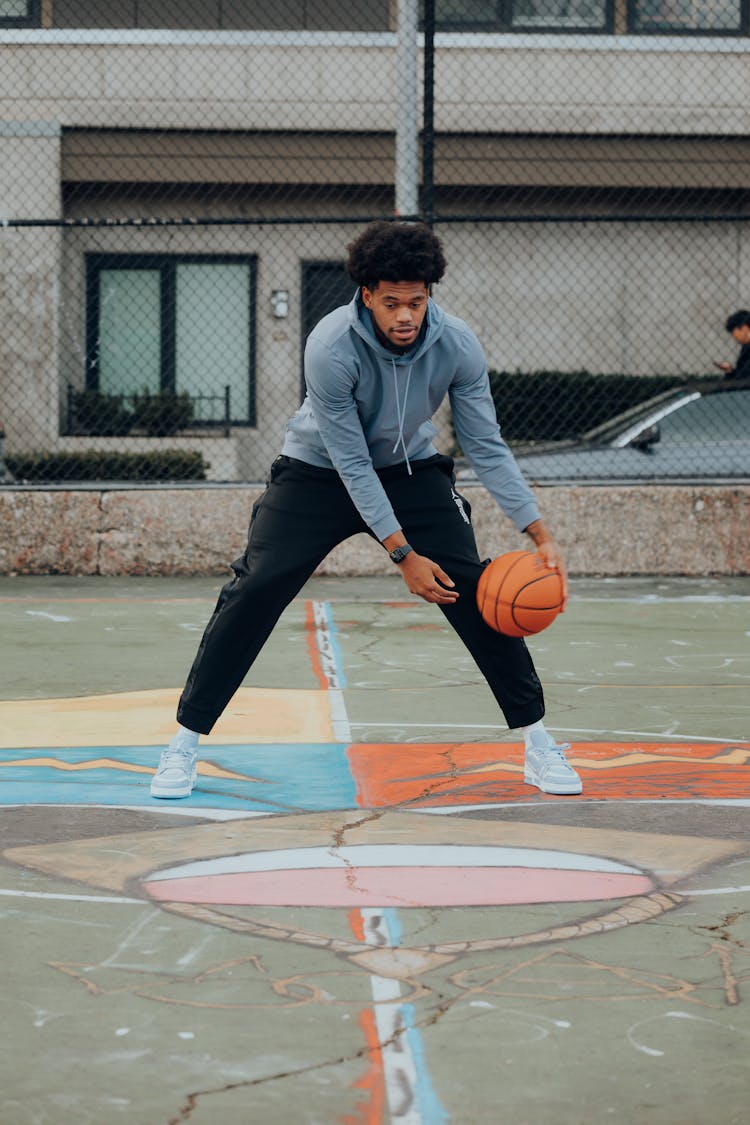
358	456
738	326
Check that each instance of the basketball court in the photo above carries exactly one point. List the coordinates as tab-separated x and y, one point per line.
363	914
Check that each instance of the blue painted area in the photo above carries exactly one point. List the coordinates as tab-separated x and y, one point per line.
393	925
279	778
431	1109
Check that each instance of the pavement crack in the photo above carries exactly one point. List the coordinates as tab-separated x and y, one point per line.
191	1103
723	929
340	833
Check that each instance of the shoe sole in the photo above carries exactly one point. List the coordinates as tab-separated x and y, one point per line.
572	789
173	792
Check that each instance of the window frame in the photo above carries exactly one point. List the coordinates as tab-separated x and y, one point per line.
504	23
691	32
166	265
33	18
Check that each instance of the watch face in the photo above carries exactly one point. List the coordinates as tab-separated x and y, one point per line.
398	554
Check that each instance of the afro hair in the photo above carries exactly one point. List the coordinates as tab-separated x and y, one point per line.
395	252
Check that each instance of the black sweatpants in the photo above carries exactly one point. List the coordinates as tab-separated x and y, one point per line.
303	513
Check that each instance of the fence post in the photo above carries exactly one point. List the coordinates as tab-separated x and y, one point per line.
428	115
407	132
227	410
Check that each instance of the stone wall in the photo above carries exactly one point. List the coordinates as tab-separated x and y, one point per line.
634	530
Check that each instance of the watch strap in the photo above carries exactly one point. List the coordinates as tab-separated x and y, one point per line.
398	554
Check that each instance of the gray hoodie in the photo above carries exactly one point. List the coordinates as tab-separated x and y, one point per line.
367	407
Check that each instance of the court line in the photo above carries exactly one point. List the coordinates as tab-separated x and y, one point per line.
499	728
200	812
402	1069
330	669
720	891
447	810
72	898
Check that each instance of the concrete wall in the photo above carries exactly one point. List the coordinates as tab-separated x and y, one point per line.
639	530
513	83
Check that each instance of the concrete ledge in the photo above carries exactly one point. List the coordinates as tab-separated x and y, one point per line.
604	530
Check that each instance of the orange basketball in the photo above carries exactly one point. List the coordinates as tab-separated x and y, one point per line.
518	595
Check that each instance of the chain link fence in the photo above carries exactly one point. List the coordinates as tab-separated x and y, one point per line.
180	181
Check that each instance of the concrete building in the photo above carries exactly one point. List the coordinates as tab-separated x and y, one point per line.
260	114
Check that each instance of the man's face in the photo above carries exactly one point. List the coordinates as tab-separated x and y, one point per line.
398	309
742	334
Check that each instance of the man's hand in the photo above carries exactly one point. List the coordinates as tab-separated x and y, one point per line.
425	578
549	553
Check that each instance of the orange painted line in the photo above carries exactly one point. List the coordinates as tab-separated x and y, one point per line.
357	923
372	1083
370	1110
312	647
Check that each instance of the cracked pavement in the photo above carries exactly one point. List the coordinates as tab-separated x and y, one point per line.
391	927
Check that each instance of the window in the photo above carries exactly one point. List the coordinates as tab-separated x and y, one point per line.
701	16
19	13
183	324
524	15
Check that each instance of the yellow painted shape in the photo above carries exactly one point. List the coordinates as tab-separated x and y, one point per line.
205	769
737	756
147	718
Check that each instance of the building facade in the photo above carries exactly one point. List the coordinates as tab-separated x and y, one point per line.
179	181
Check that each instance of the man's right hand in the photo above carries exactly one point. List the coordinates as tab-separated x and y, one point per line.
428	580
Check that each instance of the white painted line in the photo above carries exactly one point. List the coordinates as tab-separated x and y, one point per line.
399	1066
333	669
718	891
172	808
446	810
391	855
72	898
400	1073
501	730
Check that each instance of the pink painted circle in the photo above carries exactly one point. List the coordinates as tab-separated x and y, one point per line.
399	875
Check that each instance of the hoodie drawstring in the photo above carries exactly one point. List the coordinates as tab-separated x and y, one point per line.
401	413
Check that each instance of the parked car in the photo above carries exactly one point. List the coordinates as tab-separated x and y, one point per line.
696	432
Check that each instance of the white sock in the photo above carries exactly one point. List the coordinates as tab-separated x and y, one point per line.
187	738
528	731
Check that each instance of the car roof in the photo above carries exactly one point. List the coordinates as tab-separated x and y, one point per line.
622	428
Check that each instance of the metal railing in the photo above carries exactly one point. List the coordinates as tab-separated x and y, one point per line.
146	414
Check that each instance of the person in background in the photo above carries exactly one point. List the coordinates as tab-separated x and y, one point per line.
738	326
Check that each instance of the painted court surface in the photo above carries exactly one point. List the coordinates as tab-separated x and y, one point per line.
362	914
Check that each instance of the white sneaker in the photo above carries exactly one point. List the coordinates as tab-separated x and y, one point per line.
547	767
177	772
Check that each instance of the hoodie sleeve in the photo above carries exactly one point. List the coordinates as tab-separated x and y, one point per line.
479	436
330	387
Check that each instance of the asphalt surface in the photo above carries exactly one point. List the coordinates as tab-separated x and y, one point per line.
363	914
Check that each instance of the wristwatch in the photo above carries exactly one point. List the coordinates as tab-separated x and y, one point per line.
398	554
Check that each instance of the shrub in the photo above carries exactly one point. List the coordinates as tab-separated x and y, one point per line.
162	414
95	465
561	405
94	413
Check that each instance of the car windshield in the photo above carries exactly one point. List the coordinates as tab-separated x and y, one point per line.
711	418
